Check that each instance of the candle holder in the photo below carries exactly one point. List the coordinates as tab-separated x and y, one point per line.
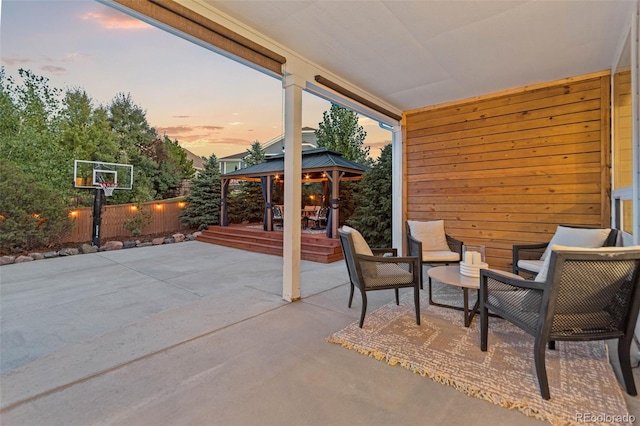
473	259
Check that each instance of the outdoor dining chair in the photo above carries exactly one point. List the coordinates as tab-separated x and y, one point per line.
368	272
578	295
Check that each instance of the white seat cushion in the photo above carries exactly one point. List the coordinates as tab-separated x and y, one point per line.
430	234
440	256
531	265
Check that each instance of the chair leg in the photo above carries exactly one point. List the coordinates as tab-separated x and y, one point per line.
624	356
416	300
397	296
539	348
351	295
484	319
364	308
484	327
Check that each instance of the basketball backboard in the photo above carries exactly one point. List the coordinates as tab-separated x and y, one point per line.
89	174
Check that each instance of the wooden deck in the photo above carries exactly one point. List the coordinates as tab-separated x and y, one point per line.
315	247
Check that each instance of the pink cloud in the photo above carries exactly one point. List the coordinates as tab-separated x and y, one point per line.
53	69
114	20
16	61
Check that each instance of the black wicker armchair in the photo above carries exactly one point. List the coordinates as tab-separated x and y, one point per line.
368	272
528	258
445	255
588	294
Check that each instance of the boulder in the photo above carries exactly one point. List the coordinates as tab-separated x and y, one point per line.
178	238
50	254
169	240
23	259
36	256
147	244
68	251
7	260
112	245
157	241
129	244
88	248
197	234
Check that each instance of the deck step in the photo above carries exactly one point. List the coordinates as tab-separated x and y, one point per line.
314	247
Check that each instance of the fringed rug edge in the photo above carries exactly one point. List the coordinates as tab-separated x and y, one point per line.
446	379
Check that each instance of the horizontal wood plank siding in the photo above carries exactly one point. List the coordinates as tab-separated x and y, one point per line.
508	168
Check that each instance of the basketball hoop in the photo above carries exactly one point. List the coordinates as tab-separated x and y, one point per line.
108	188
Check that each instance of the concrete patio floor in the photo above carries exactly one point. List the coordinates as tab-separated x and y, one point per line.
197	334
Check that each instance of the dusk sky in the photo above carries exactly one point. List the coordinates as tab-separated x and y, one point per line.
209	103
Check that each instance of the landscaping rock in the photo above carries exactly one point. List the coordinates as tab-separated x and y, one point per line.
68	251
169	240
88	248
197	234
190	237
112	245
129	244
178	238
50	254
36	256
157	241
7	260
23	259
147	244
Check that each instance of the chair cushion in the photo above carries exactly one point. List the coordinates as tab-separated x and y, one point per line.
440	256
361	247
530	265
430	234
387	274
542	275
577	237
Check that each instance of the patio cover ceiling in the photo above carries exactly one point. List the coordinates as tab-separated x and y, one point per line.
315	162
412	54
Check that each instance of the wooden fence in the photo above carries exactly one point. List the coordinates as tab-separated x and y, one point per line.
163	219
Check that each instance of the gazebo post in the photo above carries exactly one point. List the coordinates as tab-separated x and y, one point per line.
335	203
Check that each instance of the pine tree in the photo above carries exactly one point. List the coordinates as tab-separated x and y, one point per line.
372	216
250	202
203	203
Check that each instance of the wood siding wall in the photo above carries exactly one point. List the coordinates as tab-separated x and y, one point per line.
508	168
164	219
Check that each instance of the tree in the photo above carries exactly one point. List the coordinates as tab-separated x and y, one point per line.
340	132
32	215
203	203
248	205
372	216
86	131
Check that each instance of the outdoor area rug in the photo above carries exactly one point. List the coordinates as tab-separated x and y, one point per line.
581	380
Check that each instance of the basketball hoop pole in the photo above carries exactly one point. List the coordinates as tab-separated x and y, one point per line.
97	219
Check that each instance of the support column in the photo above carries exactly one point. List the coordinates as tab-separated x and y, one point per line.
396	189
293	86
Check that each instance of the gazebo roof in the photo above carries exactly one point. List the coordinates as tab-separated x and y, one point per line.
314	161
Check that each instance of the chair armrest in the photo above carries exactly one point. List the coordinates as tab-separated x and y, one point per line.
383	251
454	244
528	252
517	283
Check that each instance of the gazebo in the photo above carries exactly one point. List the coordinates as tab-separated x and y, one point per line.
318	165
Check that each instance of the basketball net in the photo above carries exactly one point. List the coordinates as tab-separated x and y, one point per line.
108	188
